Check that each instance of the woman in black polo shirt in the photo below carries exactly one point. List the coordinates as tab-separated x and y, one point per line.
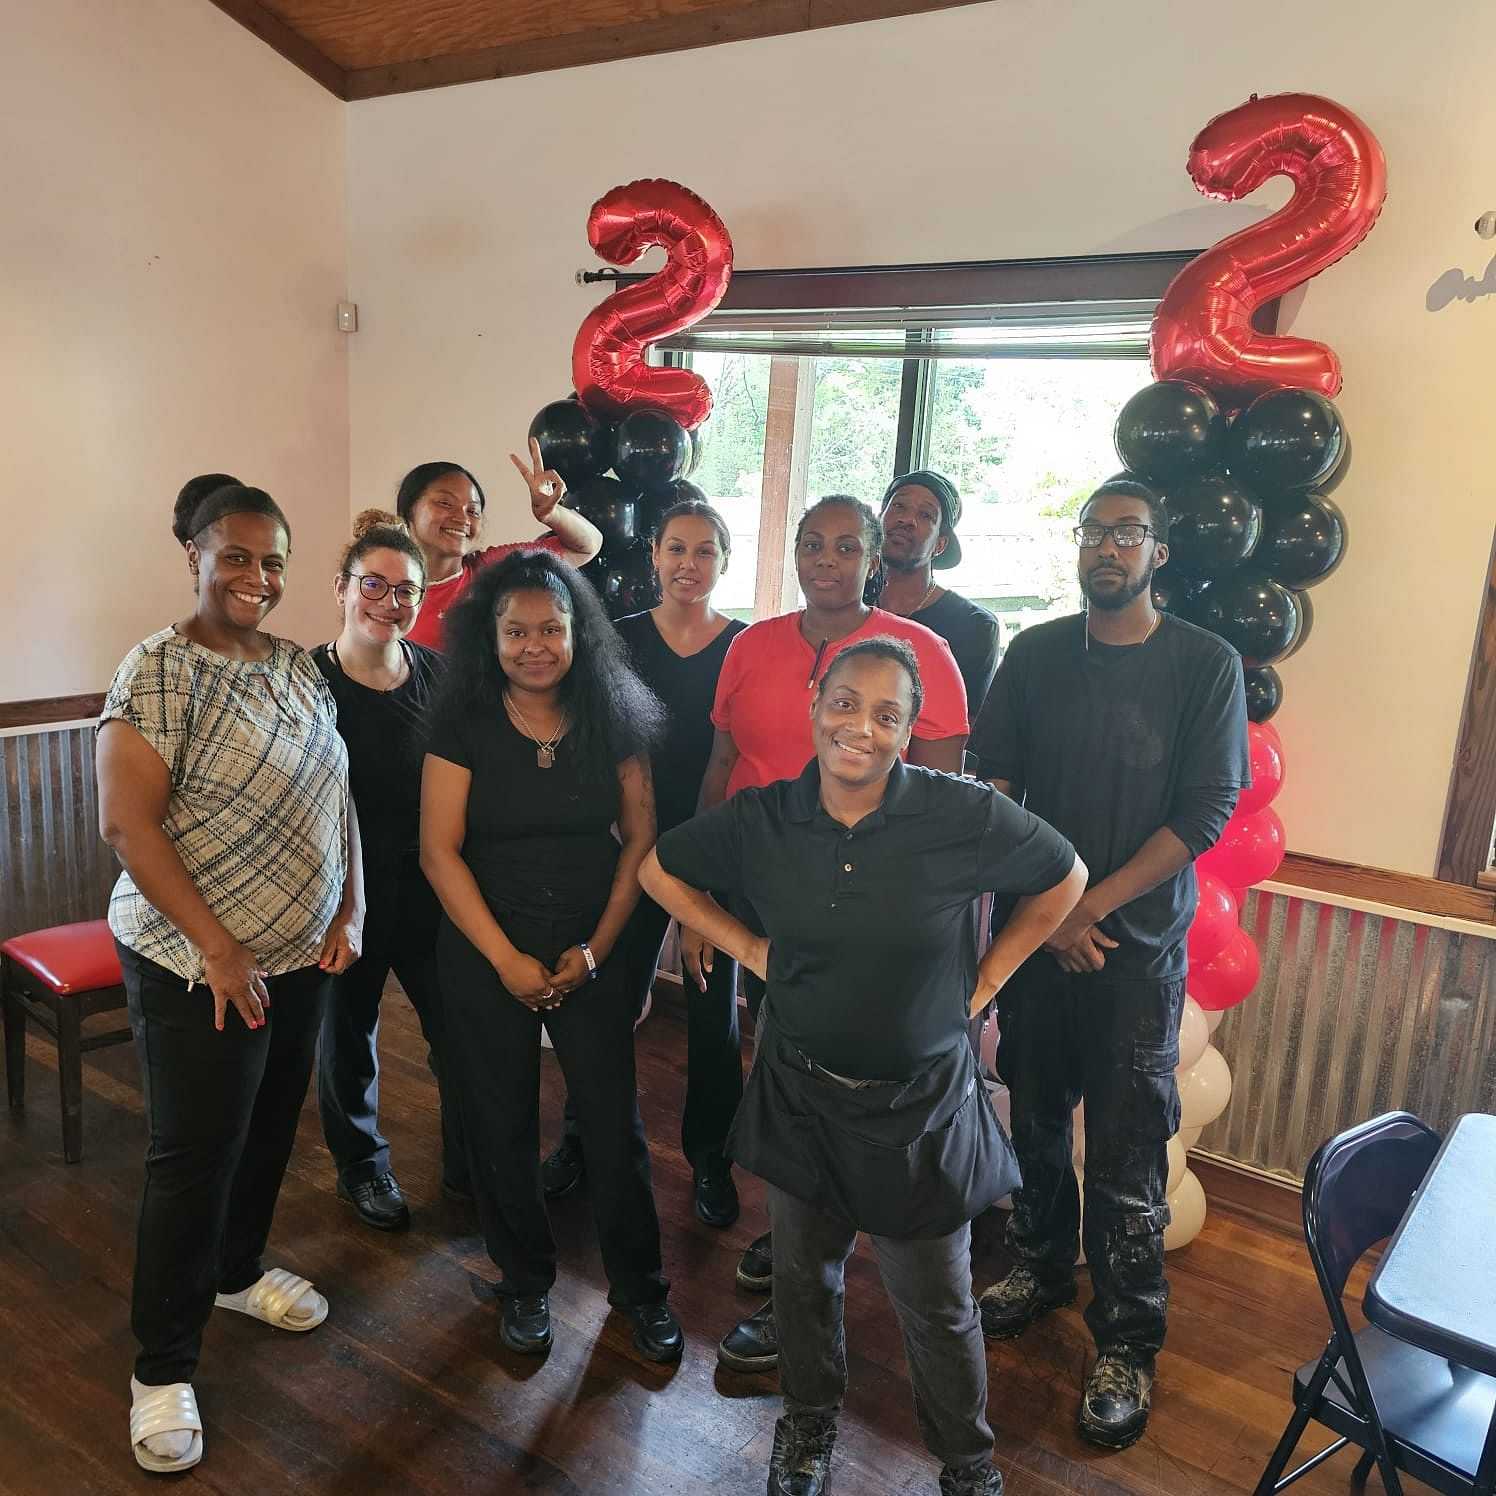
864	1110
539	747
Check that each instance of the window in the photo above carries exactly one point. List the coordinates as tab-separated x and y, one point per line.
1008	378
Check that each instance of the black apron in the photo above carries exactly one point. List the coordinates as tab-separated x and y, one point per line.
905	1159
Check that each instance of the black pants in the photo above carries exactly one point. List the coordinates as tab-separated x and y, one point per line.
1115	1043
714	1056
221	1109
494	1042
929	1283
399	935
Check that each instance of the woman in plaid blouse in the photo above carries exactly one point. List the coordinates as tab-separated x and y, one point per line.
223	788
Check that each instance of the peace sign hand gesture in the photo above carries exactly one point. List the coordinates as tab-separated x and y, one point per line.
547	486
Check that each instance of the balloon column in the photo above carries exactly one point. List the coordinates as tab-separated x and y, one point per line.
627	416
1241	439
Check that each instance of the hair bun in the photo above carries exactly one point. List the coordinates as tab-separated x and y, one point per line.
376	519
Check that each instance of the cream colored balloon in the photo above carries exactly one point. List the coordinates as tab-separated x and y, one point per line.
1078	1136
1194	1033
1204	1089
1187	1207
1214	1018
1176	1164
1189	1137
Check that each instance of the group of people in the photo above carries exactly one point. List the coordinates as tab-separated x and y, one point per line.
488	788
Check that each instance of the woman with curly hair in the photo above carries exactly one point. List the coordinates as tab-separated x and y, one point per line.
539	747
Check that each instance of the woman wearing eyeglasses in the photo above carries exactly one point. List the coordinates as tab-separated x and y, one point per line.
383	685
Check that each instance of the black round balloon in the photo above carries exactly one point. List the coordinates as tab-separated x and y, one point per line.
1170	430
1264	692
1260	618
572	441
638	582
1303	539
1214	525
1285	439
654	502
698	446
1306	624
610	506
1174	592
650	448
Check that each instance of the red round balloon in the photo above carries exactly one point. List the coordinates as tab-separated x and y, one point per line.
1215	919
1227	977
1249	851
607	358
1266	749
1203	329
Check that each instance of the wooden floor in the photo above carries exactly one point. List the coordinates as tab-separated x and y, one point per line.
407	1389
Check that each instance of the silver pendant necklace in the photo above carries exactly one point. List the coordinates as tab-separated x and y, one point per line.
545	748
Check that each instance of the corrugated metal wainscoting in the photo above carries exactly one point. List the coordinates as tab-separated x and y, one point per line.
1355	1014
55	867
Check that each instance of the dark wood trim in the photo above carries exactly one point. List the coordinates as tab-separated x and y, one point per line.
293	47
45	709
1470	812
677	33
1380	886
1271	1201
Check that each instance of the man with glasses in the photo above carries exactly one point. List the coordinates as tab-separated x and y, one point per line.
1124	728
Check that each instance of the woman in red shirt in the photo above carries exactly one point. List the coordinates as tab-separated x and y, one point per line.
443	505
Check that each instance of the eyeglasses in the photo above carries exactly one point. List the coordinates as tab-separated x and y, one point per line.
1128	535
407	594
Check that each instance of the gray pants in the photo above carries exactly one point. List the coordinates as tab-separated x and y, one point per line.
929	1283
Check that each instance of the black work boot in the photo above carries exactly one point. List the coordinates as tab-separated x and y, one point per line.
801	1462
981	1479
1013	1303
752	1344
756	1265
1114	1404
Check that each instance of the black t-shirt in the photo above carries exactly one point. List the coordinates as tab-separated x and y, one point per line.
1109	743
687	684
385	732
971	631
539	841
871	957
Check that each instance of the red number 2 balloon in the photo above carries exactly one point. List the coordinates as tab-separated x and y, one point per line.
607	359
1203	327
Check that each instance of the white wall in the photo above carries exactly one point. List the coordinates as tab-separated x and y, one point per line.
172	249
1012	129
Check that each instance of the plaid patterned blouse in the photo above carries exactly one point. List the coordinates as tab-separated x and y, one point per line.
259	801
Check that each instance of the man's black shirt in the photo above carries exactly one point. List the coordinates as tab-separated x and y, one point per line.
971	632
872	959
1108	743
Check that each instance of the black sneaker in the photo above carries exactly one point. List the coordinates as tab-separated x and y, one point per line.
981	1479
1114	1404
756	1265
752	1344
657	1332
525	1324
378	1202
1013	1303
800	1464
716	1194
562	1171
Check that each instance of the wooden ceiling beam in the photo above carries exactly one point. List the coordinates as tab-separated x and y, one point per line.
645	38
293	47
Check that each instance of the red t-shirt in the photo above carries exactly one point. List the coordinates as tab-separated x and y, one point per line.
765	690
441	597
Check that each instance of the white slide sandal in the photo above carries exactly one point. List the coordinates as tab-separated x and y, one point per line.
276	1299
164	1410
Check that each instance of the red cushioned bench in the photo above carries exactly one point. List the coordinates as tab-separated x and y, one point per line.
57	978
